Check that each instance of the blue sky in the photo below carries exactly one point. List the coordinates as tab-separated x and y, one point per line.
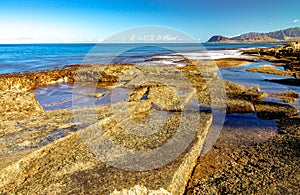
92	20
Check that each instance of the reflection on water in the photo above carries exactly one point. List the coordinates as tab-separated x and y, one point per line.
66	96
239	75
247	129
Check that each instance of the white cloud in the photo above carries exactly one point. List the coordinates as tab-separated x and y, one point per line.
296	20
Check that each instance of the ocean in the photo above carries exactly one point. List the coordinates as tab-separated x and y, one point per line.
35	57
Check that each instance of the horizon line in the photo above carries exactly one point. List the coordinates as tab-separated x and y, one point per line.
49	43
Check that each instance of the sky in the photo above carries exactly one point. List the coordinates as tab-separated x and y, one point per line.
63	21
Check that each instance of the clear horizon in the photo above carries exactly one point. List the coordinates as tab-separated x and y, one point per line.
55	21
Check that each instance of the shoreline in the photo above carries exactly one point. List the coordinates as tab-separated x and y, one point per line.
240	100
252	169
32	58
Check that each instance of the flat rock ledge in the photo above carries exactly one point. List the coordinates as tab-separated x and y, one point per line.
48	152
270	70
72	164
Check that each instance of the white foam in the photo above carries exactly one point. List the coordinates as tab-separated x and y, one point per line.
214	54
162	62
174	58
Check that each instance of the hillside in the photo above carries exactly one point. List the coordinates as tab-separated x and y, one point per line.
218	38
280	35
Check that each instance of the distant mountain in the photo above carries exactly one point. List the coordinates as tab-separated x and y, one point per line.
280	35
218	38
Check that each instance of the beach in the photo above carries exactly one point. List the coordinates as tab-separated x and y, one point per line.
240	103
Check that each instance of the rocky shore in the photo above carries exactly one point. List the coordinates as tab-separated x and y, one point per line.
271	167
287	56
50	151
265	167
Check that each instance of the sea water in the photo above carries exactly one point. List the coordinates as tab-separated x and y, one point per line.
36	57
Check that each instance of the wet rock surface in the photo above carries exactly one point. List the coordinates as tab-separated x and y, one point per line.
271	167
272	110
67	164
17	102
288	96
240	99
270	70
287	56
264	167
229	62
54	151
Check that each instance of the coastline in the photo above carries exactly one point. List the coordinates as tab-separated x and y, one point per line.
270	166
240	100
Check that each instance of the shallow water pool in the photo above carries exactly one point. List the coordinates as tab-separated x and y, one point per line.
67	96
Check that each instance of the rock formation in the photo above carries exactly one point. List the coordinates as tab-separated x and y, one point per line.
287	55
280	35
116	148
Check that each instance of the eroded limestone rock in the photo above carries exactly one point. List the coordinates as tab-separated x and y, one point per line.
288	96
270	70
67	164
272	110
17	102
